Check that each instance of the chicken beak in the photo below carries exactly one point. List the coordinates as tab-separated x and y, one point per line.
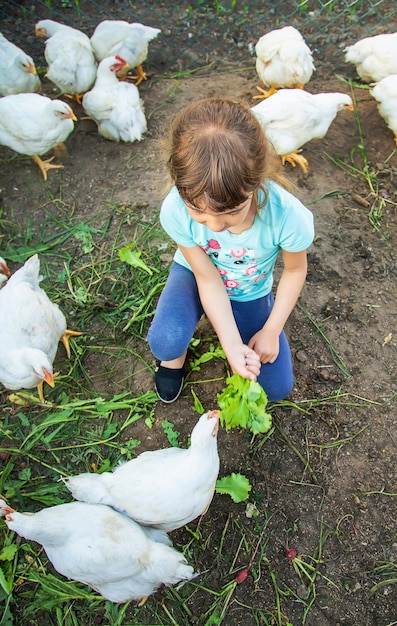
48	377
71	116
31	68
215	414
350	107
5	270
5	509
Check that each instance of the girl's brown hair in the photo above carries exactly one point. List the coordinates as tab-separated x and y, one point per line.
219	154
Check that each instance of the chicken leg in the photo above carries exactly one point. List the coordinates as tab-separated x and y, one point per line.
46	165
77	97
136	79
264	93
294	158
271	91
65	339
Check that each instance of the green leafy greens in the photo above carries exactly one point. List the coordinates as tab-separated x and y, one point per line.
236	486
243	404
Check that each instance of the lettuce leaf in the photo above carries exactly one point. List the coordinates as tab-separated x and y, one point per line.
243	404
236	486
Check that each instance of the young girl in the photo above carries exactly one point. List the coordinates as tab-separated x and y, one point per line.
230	219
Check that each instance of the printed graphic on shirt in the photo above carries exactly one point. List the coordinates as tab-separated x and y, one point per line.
238	268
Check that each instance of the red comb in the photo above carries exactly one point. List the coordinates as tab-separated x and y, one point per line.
121	60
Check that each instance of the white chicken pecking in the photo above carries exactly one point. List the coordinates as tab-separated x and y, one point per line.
4	272
129	41
115	106
30	328
95	545
32	124
162	488
283	59
374	57
71	61
385	93
292	117
17	70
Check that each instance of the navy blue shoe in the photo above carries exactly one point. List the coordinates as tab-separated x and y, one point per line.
168	383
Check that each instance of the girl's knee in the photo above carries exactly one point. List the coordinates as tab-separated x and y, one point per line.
279	391
277	385
167	344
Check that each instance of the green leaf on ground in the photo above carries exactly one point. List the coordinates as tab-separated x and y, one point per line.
172	434
133	258
236	486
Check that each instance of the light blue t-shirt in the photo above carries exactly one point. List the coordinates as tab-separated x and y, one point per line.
246	260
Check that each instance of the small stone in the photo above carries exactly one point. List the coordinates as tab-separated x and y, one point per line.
301	356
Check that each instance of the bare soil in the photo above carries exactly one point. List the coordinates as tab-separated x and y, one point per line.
327	474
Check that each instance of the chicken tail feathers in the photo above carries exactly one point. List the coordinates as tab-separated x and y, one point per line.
88	487
29	272
168	566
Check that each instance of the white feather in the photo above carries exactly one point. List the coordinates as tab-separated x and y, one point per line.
163	488
30	328
374	57
292	117
385	93
283	58
102	548
70	58
115	106
17	70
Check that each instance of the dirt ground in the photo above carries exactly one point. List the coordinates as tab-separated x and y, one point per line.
327	474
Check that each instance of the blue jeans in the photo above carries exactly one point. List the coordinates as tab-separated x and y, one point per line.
179	310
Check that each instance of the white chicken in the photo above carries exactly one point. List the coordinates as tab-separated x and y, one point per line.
374	57
385	93
4	271
162	488
17	70
129	41
71	61
115	106
292	117
30	328
283	59
32	124
95	545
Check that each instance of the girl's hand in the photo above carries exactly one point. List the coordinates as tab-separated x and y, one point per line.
266	345
245	362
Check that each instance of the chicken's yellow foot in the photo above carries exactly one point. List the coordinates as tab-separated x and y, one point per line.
77	97
142	602
295	158
265	94
40	390
137	79
141	75
46	165
49	379
65	339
